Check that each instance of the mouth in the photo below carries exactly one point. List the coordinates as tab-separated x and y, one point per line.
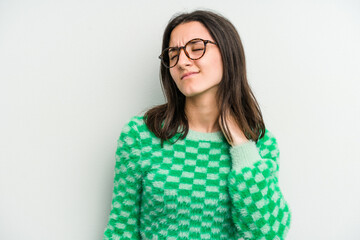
186	75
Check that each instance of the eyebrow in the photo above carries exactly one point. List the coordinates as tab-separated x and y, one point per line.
185	43
173	46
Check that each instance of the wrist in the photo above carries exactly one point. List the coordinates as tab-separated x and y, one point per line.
244	155
239	140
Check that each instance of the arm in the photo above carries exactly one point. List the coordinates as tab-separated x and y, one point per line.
259	208
124	216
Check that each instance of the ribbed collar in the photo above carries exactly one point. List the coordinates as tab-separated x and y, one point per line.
211	136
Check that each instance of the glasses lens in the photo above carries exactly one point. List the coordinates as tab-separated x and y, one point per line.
172	55
195	49
169	57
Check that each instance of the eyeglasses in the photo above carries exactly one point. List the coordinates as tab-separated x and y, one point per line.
194	49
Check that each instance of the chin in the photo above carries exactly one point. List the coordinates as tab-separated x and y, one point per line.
192	93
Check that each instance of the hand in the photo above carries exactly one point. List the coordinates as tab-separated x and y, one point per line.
237	134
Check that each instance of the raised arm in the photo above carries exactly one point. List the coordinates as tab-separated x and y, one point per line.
259	208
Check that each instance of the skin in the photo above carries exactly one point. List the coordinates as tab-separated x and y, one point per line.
200	88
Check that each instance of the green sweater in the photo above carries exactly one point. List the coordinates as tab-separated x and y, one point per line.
197	188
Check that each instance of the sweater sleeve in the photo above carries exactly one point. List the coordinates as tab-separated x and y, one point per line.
124	215
259	209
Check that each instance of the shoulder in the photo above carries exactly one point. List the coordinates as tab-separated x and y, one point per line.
134	123
136	127
268	138
268	145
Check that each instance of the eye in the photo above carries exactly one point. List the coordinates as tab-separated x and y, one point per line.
172	53
196	46
173	57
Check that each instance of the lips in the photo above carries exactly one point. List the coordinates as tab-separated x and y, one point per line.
188	74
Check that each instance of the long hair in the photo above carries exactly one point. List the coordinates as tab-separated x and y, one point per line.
234	93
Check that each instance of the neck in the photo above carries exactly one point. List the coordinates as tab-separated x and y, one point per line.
202	112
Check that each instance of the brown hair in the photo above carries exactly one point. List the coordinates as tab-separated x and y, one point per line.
234	93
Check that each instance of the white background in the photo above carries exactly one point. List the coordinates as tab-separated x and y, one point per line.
73	72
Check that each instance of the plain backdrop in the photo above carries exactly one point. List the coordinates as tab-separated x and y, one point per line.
72	73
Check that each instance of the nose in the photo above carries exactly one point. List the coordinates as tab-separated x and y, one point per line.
183	59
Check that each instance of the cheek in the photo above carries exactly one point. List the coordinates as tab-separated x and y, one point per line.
173	74
220	69
216	70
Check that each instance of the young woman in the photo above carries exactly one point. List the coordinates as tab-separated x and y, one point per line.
202	165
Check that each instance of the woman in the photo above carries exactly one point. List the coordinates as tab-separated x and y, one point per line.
202	165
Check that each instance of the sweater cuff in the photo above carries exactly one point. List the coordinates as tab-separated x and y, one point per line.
244	155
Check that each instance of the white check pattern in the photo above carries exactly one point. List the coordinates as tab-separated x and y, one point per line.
196	188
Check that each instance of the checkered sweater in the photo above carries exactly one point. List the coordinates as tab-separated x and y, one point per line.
197	188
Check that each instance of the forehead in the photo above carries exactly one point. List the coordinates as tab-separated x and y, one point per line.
184	32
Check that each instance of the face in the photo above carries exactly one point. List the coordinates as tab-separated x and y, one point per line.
207	71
